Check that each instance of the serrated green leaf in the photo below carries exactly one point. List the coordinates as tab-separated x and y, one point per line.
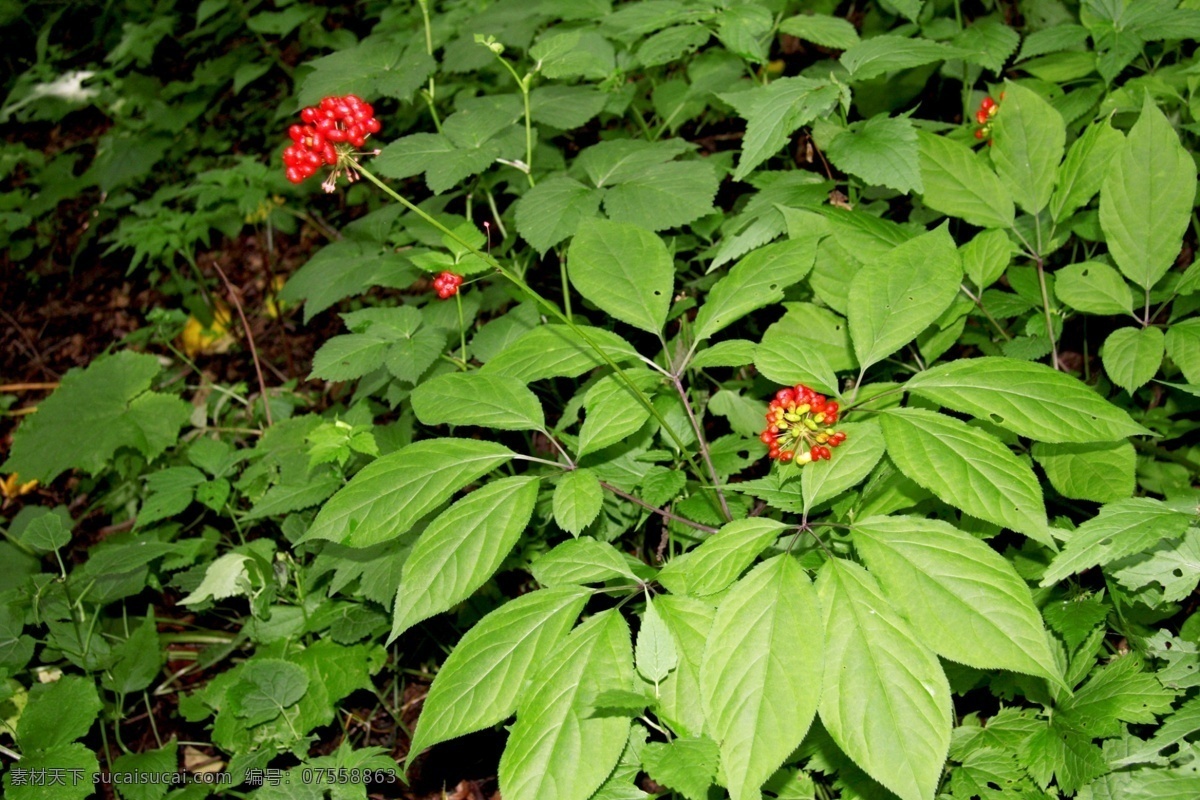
873	57
93	413
1028	137
1093	288
1028	399
1120	529
344	358
671	44
882	151
832	32
157	768
553	351
1173	565
554	210
574	54
760	691
227	576
720	559
959	183
687	765
1146	198
268	687
967	468
57	713
138	660
885	699
852	461
577	500
625	270
613	410
558	747
376	66
689	621
1102	472
390	494
1120	692
774	111
480	681
963	599
986	257
756	281
664	195
462	548
580	561
654	654
1183	347
988	42
1131	356
895	297
1084	169
64	757
476	398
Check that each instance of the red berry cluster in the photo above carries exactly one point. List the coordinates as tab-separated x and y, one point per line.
987	110
798	423
446	284
345	120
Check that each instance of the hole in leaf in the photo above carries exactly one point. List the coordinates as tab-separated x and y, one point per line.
996	418
1177	572
1105	542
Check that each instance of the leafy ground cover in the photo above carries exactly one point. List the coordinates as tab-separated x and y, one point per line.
554	401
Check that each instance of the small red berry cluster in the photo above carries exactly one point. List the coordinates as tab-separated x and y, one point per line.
987	110
336	121
798	423
446	284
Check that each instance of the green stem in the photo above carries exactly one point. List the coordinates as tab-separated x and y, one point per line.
550	308
462	330
430	94
523	85
566	289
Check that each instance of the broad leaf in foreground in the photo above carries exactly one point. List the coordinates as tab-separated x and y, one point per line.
477	398
1028	140
559	749
856	457
964	600
885	699
625	270
1026	398
479	683
761	672
720	559
462	548
1120	529
959	183
390	494
967	468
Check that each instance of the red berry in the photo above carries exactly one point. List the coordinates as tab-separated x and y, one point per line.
767	437
446	284
785	396
786	456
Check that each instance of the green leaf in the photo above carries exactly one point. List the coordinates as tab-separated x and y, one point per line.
988	42
1119	692
654	653
756	281
664	195
689	621
729	353
558	747
554	351
882	151
986	257
895	297
1183	347
1173	565
1093	288
66	757
687	765
138	660
720	559
959	183
671	44
376	66
462	548
579	561
625	270
1084	169
344	358
577	500
964	600
157	768
852	461
759	689
1101	472
574	54
58	713
342	269
1131	356
93	413
480	681
774	112
1028	399
619	160
614	412
832	32
554	209
967	468
227	576
46	533
1120	529
477	398
873	57
1146	199
1028	137
268	687
389	495
885	699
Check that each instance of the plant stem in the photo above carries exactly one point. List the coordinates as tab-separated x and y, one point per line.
431	94
566	287
712	470
262	384
462	332
550	308
660	511
523	85
978	301
1041	273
